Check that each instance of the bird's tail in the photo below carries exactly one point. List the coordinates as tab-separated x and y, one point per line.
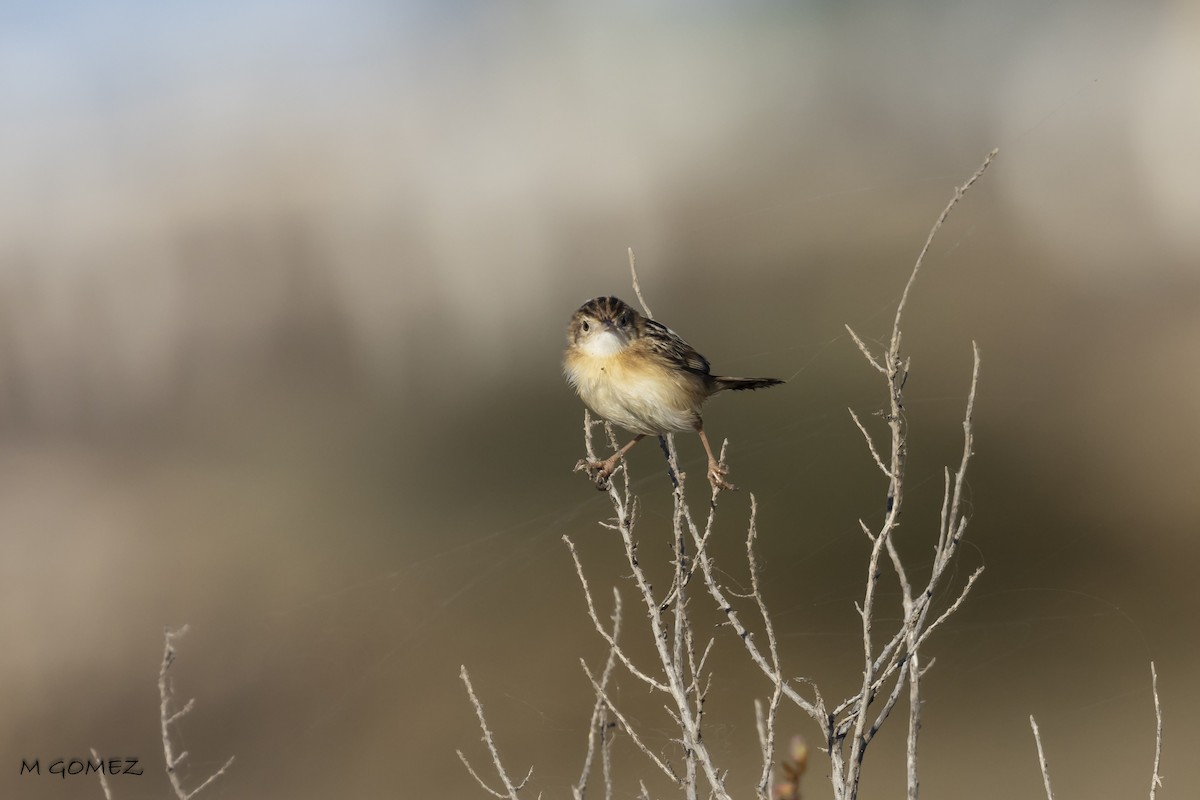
738	384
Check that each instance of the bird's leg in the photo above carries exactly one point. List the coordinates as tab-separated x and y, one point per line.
716	471
603	469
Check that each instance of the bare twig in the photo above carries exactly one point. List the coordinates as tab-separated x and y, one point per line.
602	693
815	709
510	788
886	710
1155	778
669	657
683	657
1037	737
899	659
599	723
475	775
866	351
611	639
866	611
606	752
637	289
950	609
764	742
103	780
894	348
766	727
955	521
870	444
167	718
670	646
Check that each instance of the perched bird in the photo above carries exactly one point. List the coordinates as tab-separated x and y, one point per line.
639	374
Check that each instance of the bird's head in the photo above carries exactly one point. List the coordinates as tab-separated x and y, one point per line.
604	326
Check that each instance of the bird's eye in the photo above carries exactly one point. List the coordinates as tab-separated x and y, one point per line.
586	326
624	318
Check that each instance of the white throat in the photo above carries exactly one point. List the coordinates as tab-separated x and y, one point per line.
604	344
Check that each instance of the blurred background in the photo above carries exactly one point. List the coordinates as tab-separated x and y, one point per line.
283	289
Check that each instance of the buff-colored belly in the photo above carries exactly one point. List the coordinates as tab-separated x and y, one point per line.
641	399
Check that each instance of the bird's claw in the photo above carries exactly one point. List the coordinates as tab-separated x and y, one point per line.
598	471
716	477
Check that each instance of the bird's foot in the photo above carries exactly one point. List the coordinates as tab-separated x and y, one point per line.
599	471
716	476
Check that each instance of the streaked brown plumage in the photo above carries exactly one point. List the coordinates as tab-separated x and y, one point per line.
639	374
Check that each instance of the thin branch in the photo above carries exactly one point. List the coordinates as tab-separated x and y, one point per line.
764	744
637	289
958	195
167	718
952	607
475	775
510	789
867	612
766	727
211	778
734	620
888	704
609	638
599	722
625	726
816	711
899	658
960	477
689	720
899	662
606	740
944	525
947	548
1155	778
103	780
914	717
866	351
682	648
165	715
870	443
1037	737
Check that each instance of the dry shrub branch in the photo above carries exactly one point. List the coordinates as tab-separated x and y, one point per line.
893	661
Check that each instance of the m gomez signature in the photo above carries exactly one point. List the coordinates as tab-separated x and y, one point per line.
85	766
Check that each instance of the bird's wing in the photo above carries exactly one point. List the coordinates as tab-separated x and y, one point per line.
671	346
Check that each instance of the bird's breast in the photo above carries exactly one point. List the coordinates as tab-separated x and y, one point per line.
635	392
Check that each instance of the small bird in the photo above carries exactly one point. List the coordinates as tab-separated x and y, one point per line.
638	373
